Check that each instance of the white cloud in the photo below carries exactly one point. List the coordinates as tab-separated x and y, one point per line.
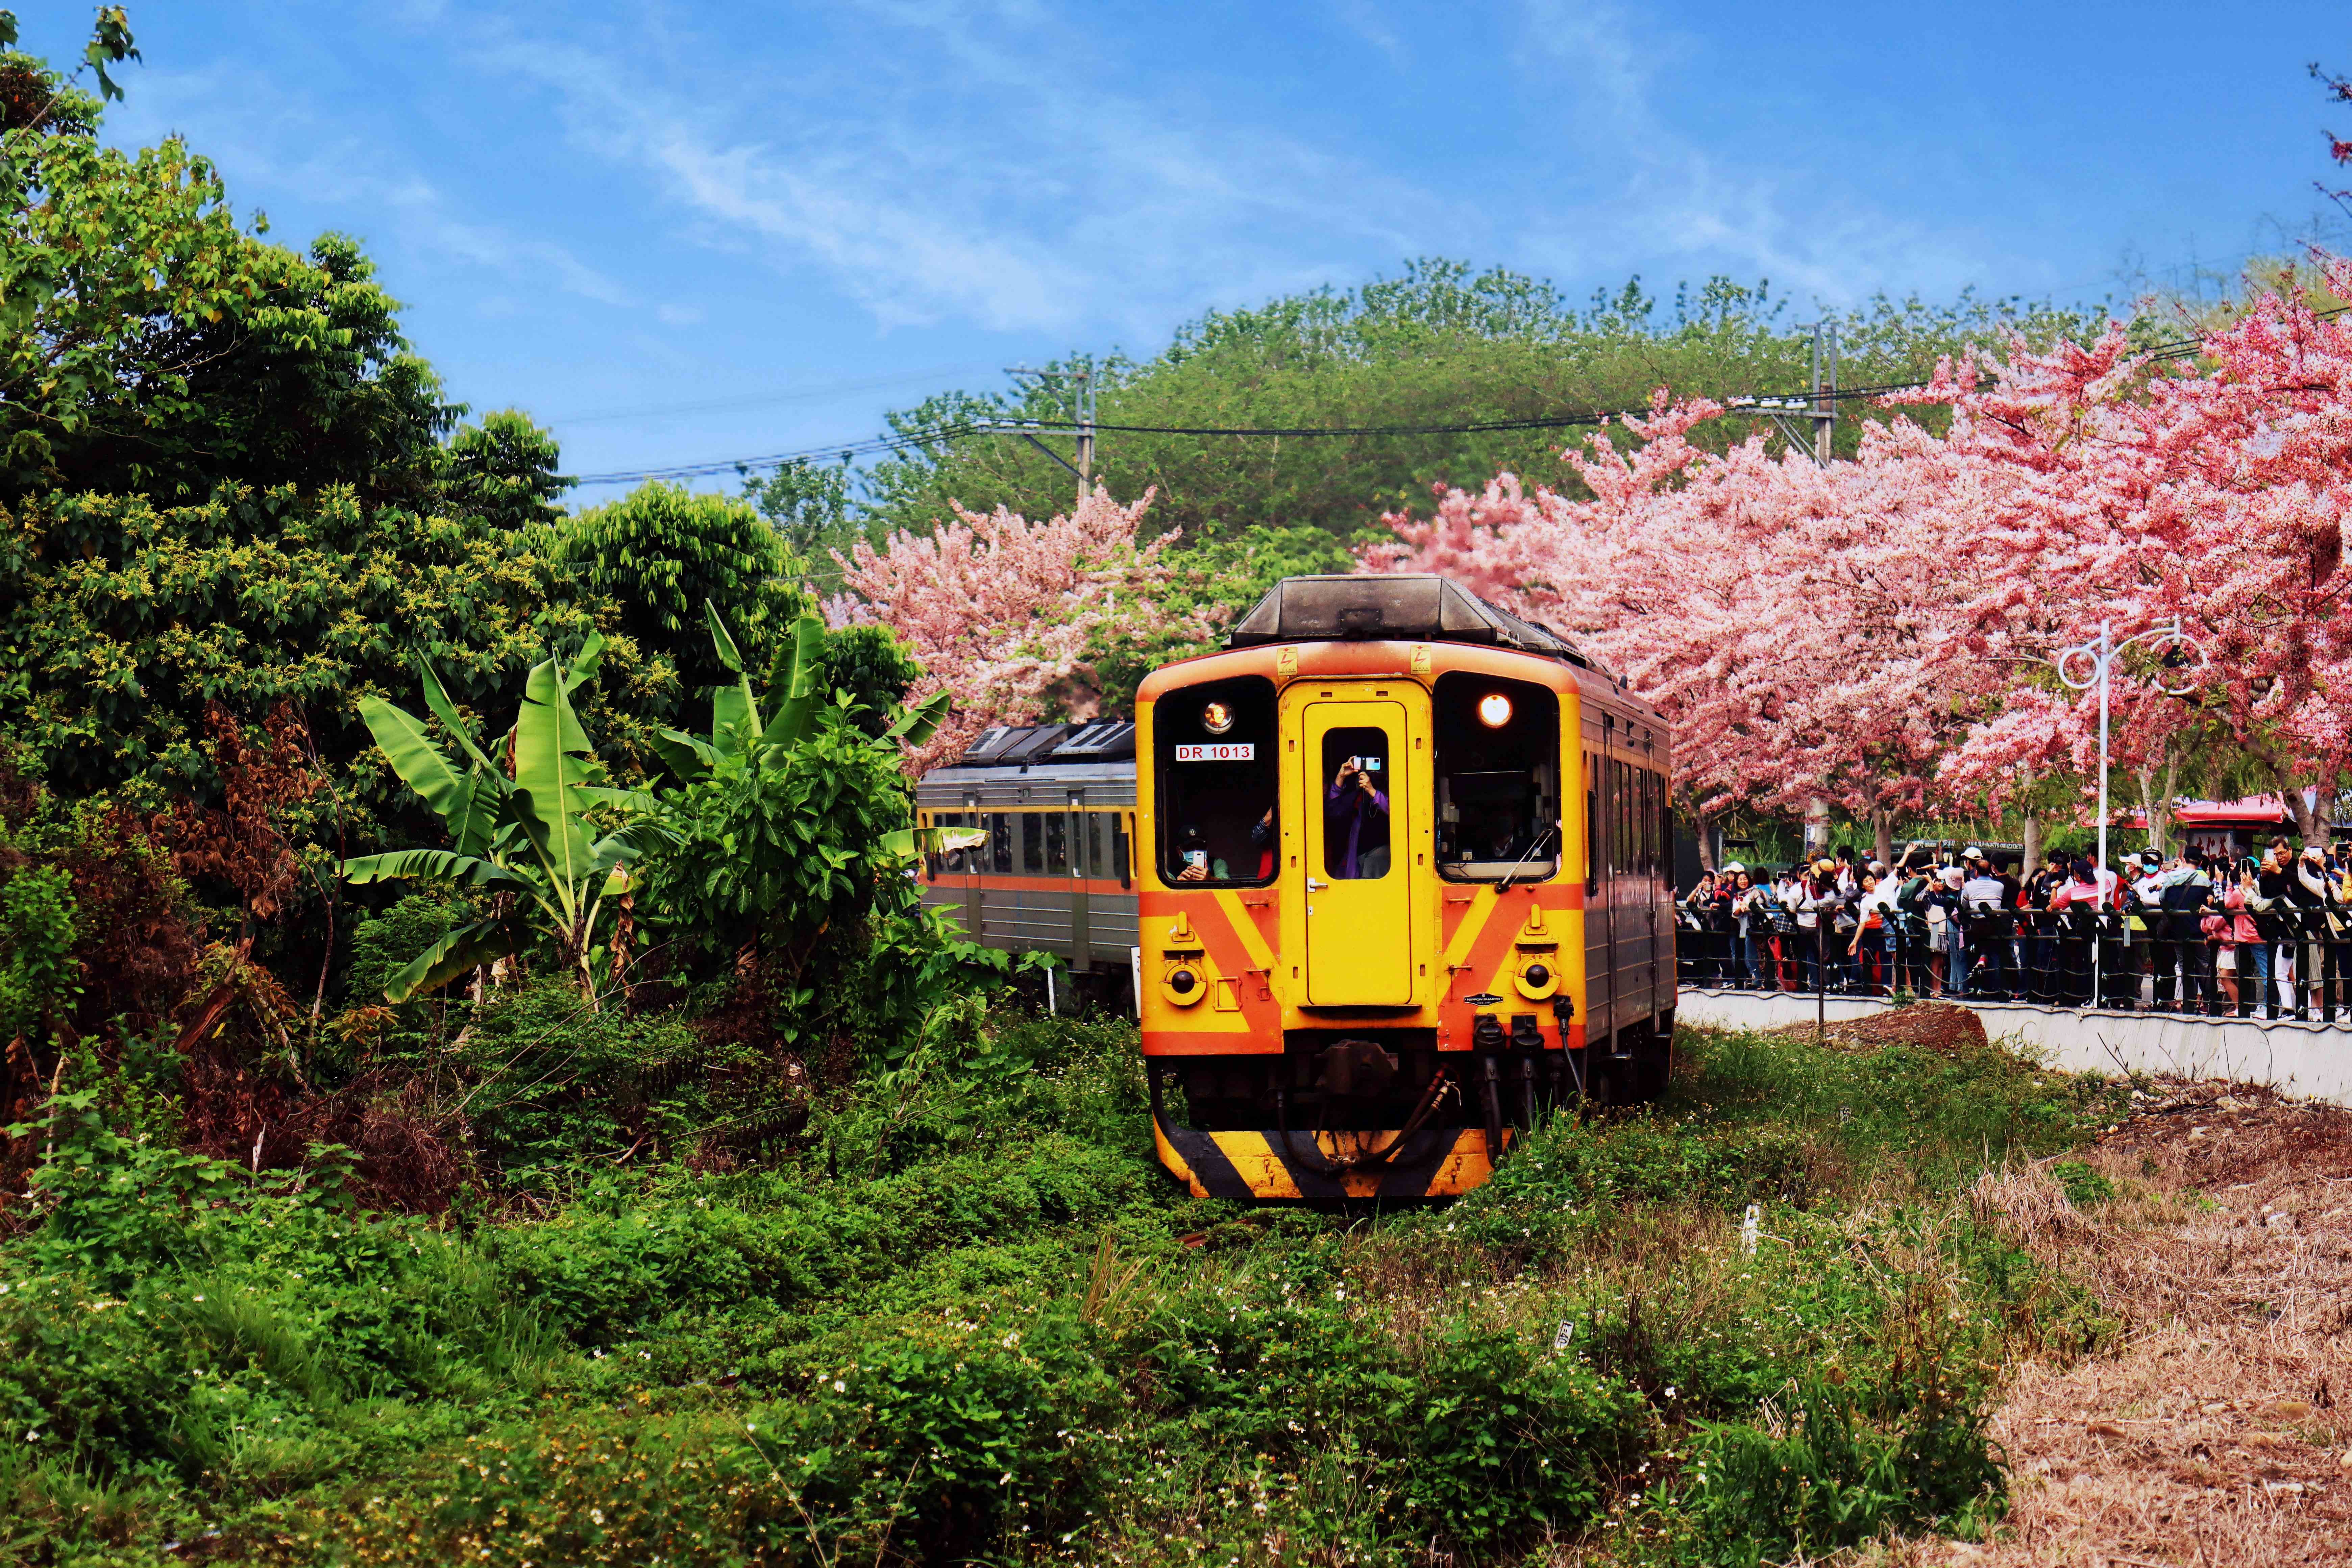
1649	189
963	172
266	139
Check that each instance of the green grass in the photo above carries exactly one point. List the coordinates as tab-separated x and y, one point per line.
999	1333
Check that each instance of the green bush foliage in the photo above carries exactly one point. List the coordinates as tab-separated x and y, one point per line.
973	1321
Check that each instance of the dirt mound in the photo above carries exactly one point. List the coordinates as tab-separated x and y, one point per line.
2211	1432
1939	1027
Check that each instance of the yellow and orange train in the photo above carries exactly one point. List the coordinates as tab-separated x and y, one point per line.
1388	876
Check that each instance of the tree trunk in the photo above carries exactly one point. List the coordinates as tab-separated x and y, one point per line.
2147	808
1882	823
2032	837
1816	827
2305	813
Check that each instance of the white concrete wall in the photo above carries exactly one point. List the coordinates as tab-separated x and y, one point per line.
2312	1061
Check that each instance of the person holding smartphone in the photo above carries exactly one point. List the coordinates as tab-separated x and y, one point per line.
1356	822
1192	856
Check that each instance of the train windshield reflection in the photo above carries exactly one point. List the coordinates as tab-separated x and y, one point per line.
1498	771
1215	745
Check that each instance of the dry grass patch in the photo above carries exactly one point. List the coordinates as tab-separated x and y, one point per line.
2213	1432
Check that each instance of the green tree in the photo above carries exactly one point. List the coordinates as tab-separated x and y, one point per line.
809	506
779	876
503	471
662	552
150	344
869	663
120	621
1438	344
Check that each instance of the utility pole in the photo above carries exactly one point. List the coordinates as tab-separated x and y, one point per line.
1789	412
1824	399
1085	433
1084	468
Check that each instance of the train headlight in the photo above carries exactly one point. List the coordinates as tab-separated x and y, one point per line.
1216	718
1184	986
1537	978
1494	710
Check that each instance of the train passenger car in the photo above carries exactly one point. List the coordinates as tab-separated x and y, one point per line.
1056	875
1399	879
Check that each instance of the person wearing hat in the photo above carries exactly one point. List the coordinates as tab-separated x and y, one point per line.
1944	938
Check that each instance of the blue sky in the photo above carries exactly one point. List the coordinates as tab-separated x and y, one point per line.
687	232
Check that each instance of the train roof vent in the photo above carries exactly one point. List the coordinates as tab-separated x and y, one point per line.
1317	609
1103	741
1033	744
989	745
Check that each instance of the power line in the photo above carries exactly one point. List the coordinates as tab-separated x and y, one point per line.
1747	405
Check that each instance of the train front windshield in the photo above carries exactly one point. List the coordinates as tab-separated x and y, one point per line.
1498	779
1215	746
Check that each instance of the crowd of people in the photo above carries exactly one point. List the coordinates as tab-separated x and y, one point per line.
2219	935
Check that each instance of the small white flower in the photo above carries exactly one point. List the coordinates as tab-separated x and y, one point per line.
597	1514
839	1387
750	1426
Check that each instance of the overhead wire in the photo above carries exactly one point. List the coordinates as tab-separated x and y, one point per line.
899	441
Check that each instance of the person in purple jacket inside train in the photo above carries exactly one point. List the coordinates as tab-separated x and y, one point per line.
1356	824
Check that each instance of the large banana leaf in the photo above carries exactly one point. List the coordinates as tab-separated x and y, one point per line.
907	843
453	955
553	762
792	720
734	710
685	756
418	761
446	711
728	654
920	722
402	864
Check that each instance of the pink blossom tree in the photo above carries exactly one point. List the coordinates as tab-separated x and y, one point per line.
1012	617
1880	632
2215	492
1788	618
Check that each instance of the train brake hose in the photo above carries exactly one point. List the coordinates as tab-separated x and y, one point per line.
1322	1165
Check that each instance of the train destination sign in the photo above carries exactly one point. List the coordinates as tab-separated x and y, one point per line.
1222	752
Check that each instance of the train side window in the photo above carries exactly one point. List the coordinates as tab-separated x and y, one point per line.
1497	773
1033	842
1621	780
1592	844
1649	820
1000	842
1213	757
1122	851
1058	844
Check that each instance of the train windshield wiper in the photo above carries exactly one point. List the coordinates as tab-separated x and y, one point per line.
1504	886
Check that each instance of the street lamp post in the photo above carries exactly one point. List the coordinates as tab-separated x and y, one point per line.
2096	660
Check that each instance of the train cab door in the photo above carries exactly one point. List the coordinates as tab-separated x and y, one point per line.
1356	747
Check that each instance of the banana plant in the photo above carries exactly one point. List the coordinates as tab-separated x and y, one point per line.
521	830
737	731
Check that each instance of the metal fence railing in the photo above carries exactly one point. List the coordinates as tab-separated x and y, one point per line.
2070	957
